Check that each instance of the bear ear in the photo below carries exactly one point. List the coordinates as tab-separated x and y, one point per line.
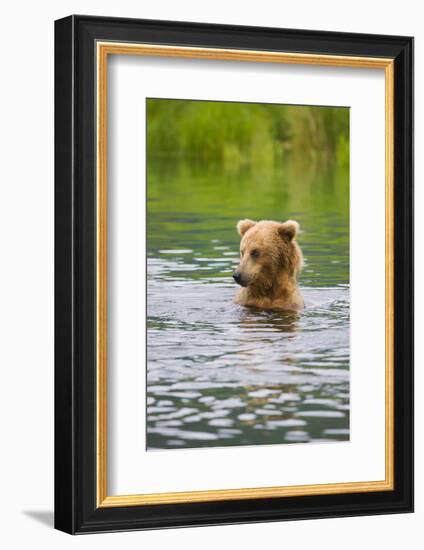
244	225
288	230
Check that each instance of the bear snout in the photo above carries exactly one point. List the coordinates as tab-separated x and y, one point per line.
237	276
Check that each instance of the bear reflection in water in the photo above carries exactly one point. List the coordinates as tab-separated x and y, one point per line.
254	319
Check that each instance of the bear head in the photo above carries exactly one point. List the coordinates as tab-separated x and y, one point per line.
268	254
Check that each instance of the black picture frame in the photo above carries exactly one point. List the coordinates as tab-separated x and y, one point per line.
76	510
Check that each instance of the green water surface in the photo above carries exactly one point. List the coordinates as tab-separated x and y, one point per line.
219	374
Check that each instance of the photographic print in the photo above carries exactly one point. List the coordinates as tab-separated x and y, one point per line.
247	274
216	295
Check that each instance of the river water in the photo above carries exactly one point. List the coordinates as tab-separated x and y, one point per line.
220	374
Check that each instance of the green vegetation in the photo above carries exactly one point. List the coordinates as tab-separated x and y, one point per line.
242	133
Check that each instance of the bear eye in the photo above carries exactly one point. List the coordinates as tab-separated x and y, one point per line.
255	253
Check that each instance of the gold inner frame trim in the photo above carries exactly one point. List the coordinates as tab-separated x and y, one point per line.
103	50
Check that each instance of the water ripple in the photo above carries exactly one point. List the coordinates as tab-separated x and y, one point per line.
220	374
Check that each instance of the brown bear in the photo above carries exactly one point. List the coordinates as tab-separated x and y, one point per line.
270	260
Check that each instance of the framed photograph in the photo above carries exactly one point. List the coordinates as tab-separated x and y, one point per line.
234	274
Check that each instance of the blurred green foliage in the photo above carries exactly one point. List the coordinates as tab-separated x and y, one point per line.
246	133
